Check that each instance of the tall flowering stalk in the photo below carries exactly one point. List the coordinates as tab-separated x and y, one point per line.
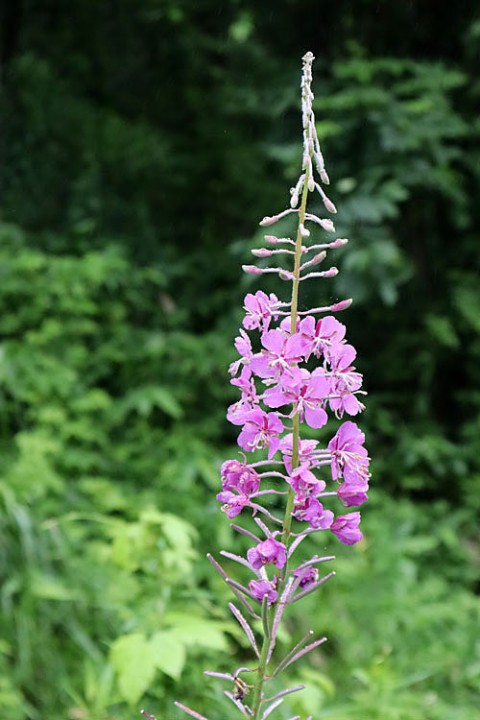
295	369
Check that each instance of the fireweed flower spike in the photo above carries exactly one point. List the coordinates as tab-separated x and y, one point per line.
279	396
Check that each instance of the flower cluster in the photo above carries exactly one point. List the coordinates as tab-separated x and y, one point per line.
295	370
307	373
334	385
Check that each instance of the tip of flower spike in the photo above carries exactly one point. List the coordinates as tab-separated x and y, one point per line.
342	305
251	269
309	57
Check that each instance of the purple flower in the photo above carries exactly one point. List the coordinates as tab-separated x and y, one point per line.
249	399
345	527
239	476
260	308
246	385
306	392
260	588
269	551
349	458
311	399
308	576
280	394
260	430
233	504
302	480
244	348
243	344
310	510
306	449
281	352
353	494
239	481
318	336
345	381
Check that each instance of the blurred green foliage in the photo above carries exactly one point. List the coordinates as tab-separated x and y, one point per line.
142	141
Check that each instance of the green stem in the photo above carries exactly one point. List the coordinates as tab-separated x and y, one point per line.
287	522
262	664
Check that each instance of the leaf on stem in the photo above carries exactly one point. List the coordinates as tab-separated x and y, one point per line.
243	531
245	626
236	558
282	693
283	602
188	710
313	587
300	654
272	707
266	628
292	652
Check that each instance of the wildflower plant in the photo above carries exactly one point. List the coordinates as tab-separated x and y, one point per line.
295	370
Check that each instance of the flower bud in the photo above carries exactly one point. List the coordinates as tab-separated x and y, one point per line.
251	269
261	252
262	588
331	272
324	177
267	221
339	242
329	205
327	225
342	305
268	552
317	259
